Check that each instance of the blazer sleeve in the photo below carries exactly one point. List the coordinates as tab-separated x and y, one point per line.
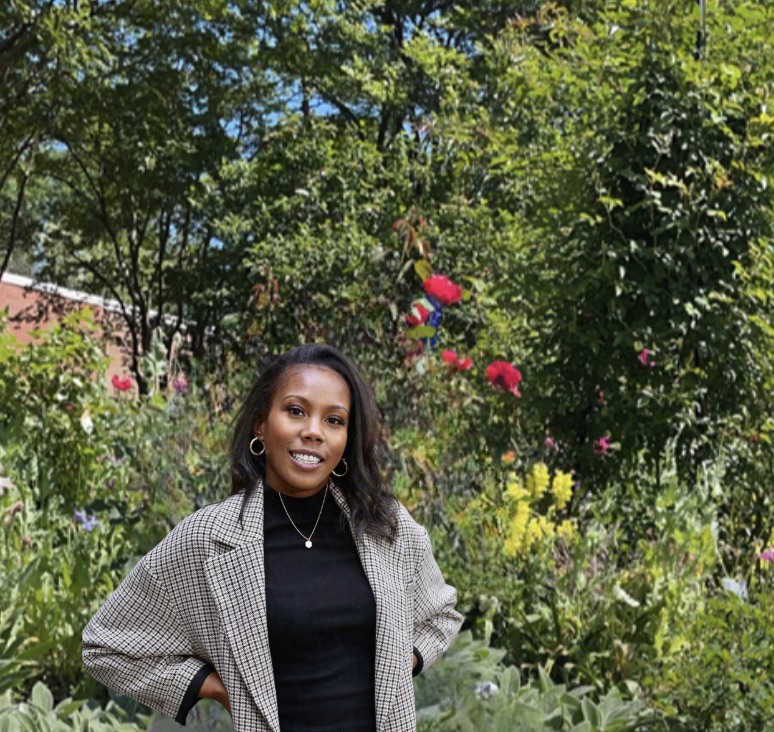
136	645
436	622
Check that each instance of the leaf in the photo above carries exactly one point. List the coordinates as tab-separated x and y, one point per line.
421	331
423	269
591	713
42	697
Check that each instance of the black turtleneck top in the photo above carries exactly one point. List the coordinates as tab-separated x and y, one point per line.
321	618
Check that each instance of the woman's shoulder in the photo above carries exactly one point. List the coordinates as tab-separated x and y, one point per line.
192	538
409	531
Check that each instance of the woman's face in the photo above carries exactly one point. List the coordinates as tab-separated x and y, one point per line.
305	432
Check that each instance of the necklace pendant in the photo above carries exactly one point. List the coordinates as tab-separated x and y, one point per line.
308	544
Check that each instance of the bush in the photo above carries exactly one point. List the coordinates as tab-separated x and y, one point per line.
721	679
39	714
469	689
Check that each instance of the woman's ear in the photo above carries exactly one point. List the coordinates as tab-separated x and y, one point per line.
258	430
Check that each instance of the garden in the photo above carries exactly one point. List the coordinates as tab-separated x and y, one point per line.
544	231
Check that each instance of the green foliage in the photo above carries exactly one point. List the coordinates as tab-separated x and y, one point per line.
720	681
79	507
469	690
606	602
40	714
641	173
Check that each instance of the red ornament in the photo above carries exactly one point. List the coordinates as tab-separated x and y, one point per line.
505	376
418	316
442	289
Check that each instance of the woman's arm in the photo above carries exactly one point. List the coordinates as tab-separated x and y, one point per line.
137	645
436	622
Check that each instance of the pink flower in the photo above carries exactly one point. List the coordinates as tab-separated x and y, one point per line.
180	384
549	443
456	362
417	316
768	555
121	384
505	376
644	360
602	445
441	288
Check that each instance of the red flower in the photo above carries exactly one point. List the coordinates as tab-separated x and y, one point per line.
644	353
602	445
121	384
417	316
457	362
505	376
441	288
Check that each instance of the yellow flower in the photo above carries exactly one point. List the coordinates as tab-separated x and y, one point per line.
566	530
533	534
515	490
514	542
561	487
537	480
546	526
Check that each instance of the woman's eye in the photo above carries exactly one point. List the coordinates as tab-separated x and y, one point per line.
295	410
338	420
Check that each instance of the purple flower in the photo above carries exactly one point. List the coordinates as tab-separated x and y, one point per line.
90	523
180	384
110	484
768	555
80	516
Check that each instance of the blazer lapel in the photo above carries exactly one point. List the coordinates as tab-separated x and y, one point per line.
391	631
237	581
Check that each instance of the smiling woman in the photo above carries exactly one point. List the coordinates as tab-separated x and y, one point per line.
305	432
305	600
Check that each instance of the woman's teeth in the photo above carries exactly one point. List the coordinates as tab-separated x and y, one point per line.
306	459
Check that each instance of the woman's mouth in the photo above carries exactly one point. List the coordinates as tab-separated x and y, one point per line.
304	461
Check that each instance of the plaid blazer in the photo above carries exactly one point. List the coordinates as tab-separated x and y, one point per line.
199	598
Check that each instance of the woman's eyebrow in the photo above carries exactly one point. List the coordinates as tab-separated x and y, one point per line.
304	399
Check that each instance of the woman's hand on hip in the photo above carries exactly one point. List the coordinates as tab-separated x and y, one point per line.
213	688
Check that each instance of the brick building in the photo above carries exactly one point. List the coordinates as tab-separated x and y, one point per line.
32	305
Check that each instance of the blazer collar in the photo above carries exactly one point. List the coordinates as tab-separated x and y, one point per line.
238	584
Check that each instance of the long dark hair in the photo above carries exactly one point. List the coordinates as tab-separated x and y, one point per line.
371	503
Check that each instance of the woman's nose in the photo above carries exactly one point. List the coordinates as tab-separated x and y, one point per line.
312	430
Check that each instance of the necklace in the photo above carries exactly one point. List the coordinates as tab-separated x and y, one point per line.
308	543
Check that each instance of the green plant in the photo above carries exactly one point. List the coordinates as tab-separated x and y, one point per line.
39	714
720	680
469	689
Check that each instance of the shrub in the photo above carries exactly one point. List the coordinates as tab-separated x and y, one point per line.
720	681
469	689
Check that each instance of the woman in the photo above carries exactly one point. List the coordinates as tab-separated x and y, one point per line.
303	602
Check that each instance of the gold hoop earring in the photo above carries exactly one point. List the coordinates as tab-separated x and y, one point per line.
253	452
346	470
